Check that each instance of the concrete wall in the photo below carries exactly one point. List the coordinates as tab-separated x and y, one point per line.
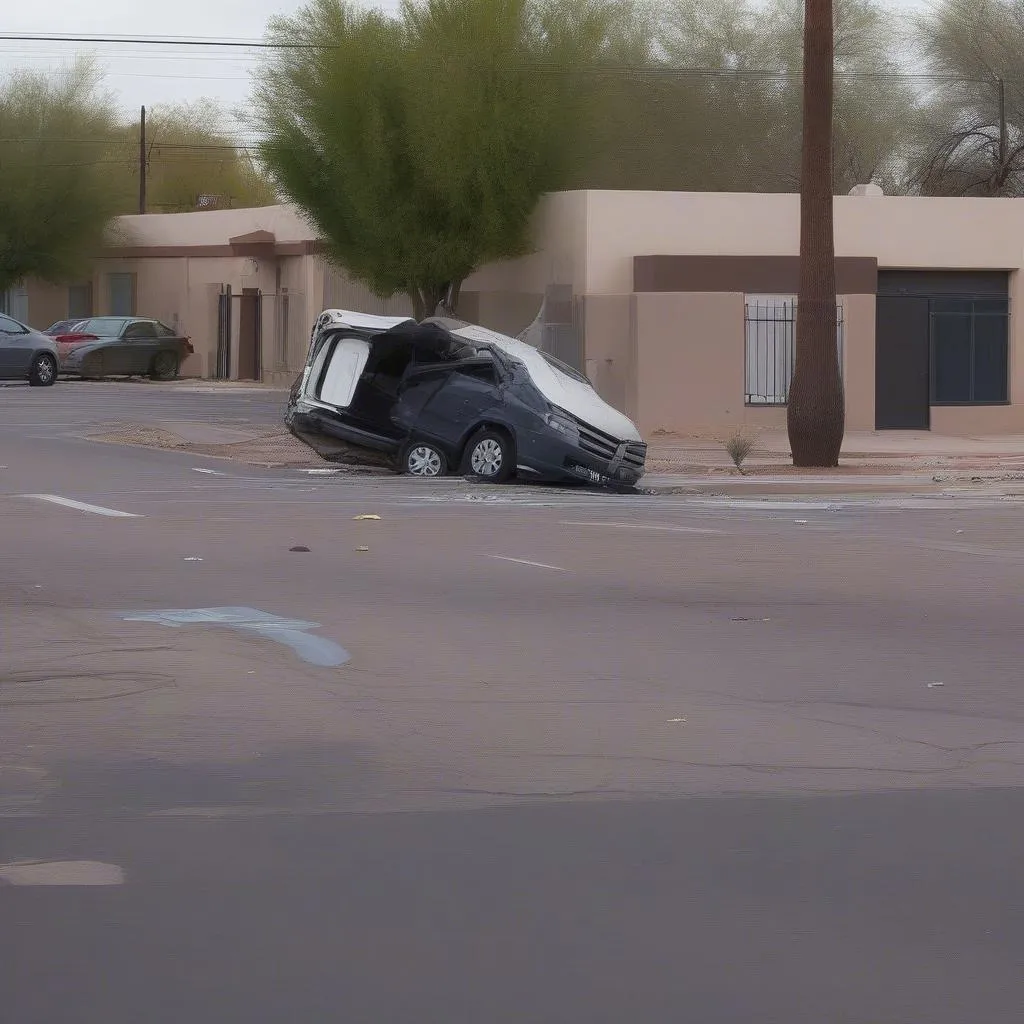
928	233
955	234
47	303
609	341
689	361
859	360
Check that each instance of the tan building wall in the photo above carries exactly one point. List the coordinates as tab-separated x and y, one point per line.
673	360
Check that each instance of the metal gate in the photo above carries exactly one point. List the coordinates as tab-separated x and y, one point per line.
250	333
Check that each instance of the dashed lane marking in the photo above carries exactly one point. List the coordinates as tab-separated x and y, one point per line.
523	561
61	872
81	506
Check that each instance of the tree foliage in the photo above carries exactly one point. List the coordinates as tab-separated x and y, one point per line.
970	131
56	190
716	106
190	157
420	144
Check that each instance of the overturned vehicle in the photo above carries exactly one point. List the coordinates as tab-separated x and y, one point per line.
442	397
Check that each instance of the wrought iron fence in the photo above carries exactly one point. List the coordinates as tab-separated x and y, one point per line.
770	330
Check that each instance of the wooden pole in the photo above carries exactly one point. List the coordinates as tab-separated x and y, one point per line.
142	162
816	409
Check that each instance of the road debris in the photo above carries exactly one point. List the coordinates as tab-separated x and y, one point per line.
299	547
931	686
362	548
671	720
368	515
193	558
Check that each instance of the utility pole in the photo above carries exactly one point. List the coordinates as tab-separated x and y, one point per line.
142	162
816	409
1003	140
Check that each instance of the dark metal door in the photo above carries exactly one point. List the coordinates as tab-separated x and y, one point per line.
901	363
249	334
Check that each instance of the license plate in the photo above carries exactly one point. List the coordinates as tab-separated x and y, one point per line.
588	474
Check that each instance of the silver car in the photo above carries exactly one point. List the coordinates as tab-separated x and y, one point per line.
26	354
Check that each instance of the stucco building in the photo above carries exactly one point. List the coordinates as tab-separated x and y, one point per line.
679	306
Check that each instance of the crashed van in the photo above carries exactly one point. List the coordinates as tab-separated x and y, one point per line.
441	396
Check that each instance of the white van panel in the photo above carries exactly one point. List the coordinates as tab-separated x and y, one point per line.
347	359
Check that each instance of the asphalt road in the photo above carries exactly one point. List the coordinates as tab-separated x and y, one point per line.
501	755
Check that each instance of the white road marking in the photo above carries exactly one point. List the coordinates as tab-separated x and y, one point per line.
523	561
641	526
209	472
61	872
81	506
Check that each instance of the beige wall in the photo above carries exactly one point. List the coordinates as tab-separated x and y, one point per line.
898	231
47	303
607	322
859	360
211	227
689	361
559	255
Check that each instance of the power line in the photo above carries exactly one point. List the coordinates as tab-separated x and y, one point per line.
162	41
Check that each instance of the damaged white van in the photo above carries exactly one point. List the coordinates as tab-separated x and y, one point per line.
444	396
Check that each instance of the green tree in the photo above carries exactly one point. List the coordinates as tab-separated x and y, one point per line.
420	145
190	156
970	137
57	193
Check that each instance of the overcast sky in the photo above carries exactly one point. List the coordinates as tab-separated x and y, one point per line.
149	74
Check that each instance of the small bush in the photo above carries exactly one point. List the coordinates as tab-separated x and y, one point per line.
739	448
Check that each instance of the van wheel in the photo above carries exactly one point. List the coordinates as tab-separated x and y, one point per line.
421	458
491	456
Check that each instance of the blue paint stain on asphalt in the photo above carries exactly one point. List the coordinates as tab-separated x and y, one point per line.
293	632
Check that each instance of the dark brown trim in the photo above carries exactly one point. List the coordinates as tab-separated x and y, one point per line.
172	252
765	275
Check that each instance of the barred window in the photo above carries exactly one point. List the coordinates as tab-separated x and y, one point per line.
770	329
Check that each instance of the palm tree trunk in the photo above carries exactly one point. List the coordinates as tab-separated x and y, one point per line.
816	411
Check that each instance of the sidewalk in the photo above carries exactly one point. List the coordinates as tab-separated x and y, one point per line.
893	461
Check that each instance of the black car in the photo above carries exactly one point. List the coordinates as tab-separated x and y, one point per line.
105	346
26	354
444	396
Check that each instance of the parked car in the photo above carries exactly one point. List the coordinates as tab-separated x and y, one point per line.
444	395
26	354
106	346
61	327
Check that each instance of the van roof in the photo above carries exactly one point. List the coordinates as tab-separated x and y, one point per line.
360	321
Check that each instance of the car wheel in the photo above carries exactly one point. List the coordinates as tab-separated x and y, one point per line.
43	372
165	366
491	456
424	459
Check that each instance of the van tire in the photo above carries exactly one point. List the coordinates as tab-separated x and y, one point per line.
491	456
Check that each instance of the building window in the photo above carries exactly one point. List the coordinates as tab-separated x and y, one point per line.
770	329
970	351
122	294
14	302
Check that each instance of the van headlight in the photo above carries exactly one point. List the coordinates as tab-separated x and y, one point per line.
564	424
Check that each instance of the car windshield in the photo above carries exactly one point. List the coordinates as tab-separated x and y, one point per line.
102	327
